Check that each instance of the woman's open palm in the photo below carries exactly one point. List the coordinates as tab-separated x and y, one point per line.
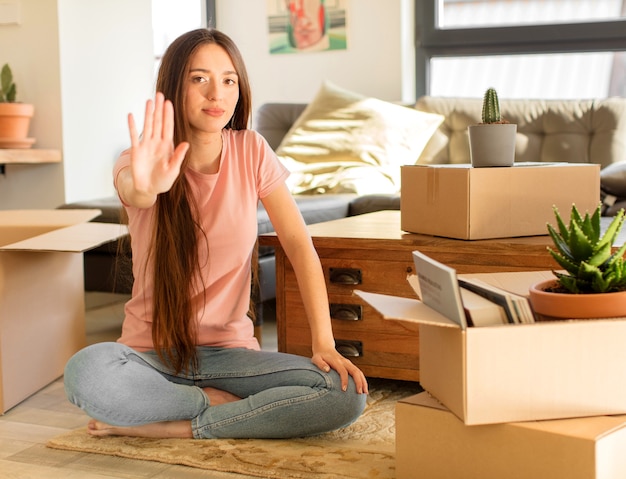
155	163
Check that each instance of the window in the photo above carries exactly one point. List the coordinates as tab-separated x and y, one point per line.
172	18
553	49
483	13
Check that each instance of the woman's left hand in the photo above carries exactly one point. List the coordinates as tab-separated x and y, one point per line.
332	359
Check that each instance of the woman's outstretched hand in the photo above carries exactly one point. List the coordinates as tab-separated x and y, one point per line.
155	162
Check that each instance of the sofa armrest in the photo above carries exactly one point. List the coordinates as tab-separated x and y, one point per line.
273	120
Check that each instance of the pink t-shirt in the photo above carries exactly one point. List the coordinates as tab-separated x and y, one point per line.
227	202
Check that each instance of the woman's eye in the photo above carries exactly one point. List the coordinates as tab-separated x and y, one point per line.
230	81
198	79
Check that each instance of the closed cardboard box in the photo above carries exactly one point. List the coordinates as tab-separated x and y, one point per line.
42	306
432	443
517	372
458	201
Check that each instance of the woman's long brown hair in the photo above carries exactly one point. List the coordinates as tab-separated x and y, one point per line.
177	234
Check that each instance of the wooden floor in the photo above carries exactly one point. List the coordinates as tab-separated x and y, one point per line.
25	429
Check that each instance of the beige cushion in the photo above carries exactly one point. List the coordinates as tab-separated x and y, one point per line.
575	131
346	142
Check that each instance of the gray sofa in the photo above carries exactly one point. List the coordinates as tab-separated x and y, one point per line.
570	130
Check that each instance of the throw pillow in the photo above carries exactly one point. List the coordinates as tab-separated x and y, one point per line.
613	188
347	142
613	179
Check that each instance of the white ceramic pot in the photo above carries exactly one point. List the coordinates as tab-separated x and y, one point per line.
492	144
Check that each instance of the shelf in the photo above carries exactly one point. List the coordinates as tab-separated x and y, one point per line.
29	155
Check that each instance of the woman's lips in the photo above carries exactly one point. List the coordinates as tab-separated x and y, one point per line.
213	111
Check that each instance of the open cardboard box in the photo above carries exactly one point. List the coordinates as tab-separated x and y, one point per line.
42	304
458	201
431	442
522	372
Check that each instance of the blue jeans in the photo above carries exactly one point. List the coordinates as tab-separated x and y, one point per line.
283	395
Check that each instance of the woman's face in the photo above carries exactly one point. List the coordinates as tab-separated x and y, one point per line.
212	90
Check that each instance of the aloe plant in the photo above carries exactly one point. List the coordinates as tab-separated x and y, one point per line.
7	87
586	254
491	107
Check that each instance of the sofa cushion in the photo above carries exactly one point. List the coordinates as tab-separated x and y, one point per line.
111	209
371	203
575	131
346	142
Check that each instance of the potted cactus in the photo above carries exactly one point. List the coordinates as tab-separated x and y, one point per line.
14	116
593	284
492	142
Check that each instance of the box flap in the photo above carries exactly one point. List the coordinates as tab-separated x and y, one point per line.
77	238
413	310
18	225
423	399
593	427
405	309
53	218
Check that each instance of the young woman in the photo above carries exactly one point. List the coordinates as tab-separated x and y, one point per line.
187	363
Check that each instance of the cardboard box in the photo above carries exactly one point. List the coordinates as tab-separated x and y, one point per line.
42	305
519	372
431	442
458	201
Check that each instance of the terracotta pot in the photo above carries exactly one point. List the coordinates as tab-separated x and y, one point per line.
15	122
576	306
492	144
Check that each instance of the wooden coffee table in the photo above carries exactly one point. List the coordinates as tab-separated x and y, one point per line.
369	252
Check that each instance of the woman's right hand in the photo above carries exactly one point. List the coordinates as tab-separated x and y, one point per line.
155	163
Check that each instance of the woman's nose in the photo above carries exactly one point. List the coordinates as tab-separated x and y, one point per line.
212	91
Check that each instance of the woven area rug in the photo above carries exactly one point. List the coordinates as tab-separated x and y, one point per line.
365	449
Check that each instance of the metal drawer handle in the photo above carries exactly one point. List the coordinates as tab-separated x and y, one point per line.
345	275
346	312
349	349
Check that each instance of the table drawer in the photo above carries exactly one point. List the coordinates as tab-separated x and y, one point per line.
369	319
395	356
344	275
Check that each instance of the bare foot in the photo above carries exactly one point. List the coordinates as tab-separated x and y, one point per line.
219	396
179	429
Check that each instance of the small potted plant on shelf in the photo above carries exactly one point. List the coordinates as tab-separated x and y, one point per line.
14	116
492	142
593	284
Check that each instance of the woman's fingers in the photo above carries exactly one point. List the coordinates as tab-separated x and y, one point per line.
148	120
168	121
345	368
132	128
157	126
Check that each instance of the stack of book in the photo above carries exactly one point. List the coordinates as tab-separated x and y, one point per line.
467	301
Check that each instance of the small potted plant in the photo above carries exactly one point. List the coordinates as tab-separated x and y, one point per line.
492	142
593	284
14	116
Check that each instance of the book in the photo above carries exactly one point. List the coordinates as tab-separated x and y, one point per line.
480	311
517	307
467	301
439	288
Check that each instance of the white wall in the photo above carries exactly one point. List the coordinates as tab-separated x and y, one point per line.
84	65
106	71
378	62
